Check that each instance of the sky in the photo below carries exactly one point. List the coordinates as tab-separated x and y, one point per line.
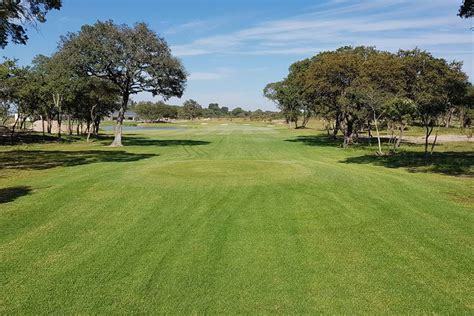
232	48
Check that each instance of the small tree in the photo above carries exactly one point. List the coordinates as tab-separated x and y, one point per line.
191	109
400	112
433	85
285	99
135	59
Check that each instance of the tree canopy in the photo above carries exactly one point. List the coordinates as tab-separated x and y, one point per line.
15	14
354	88
467	9
134	59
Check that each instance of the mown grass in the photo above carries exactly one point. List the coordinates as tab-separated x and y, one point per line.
234	219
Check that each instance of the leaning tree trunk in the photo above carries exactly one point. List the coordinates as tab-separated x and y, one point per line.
14	126
434	141
23	123
89	124
118	128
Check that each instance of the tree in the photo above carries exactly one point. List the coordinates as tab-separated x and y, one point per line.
295	83
238	112
93	99
399	112
467	9
15	13
153	112
282	95
341	90
8	69
225	110
191	109
433	85
135	59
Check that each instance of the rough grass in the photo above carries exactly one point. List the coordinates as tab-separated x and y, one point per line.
234	219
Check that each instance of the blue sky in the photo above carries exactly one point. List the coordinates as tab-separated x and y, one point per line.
231	48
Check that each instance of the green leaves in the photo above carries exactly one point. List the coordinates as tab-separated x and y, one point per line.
133	58
29	11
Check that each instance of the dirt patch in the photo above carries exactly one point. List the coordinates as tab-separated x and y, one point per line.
440	139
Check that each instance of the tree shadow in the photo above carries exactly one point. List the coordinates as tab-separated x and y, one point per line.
45	159
11	194
316	140
448	163
141	141
327	141
33	138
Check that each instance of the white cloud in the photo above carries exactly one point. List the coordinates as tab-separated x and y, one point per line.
379	25
218	74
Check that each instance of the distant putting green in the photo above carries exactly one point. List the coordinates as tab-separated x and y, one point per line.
235	218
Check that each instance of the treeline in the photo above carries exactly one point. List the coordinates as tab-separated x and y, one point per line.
94	72
159	111
363	89
49	90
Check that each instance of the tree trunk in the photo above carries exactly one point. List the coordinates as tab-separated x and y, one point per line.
337	126
434	141
69	125
49	122
118	128
369	132
22	124
348	134
42	124
306	117
59	125
57	99
449	116
399	140
378	134
428	130
14	126
96	127
91	121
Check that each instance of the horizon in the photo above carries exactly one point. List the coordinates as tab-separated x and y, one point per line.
238	48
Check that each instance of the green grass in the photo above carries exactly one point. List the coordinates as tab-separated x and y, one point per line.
234	219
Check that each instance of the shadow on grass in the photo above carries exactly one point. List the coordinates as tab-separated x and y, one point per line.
42	159
362	142
449	163
33	138
11	194
316	140
141	141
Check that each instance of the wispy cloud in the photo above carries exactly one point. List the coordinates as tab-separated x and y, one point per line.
382	24
218	74
190	26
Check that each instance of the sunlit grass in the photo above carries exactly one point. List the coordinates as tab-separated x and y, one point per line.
234	218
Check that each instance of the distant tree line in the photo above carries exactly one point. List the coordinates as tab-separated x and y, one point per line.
360	89
191	109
